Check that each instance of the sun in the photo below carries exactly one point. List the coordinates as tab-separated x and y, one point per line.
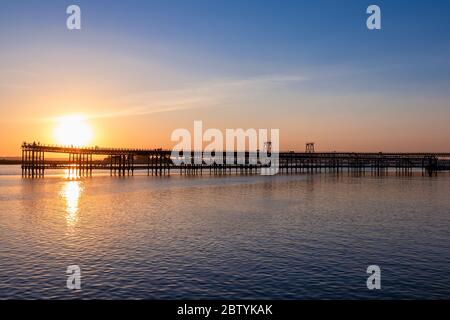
73	131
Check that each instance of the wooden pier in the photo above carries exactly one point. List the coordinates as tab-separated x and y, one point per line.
124	162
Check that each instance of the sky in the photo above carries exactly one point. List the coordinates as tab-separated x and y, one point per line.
137	70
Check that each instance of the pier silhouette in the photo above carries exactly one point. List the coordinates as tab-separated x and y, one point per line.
125	161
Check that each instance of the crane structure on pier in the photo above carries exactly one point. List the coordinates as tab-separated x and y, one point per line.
309	147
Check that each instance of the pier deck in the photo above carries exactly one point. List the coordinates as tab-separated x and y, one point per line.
160	162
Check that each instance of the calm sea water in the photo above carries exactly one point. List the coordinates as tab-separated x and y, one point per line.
282	237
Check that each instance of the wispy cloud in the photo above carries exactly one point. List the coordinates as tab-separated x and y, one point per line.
14	79
209	94
12	86
204	95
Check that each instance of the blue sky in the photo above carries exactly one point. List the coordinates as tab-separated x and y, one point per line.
280	59
251	36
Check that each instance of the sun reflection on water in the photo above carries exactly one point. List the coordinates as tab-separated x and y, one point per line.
71	173
71	192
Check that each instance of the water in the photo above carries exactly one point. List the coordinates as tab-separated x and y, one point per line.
232	237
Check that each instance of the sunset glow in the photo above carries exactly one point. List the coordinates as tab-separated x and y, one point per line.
73	130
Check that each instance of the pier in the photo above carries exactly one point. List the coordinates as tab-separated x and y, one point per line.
82	161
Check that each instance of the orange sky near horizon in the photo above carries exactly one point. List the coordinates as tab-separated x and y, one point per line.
125	116
330	133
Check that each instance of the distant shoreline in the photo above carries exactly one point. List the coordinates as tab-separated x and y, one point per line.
16	161
10	162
